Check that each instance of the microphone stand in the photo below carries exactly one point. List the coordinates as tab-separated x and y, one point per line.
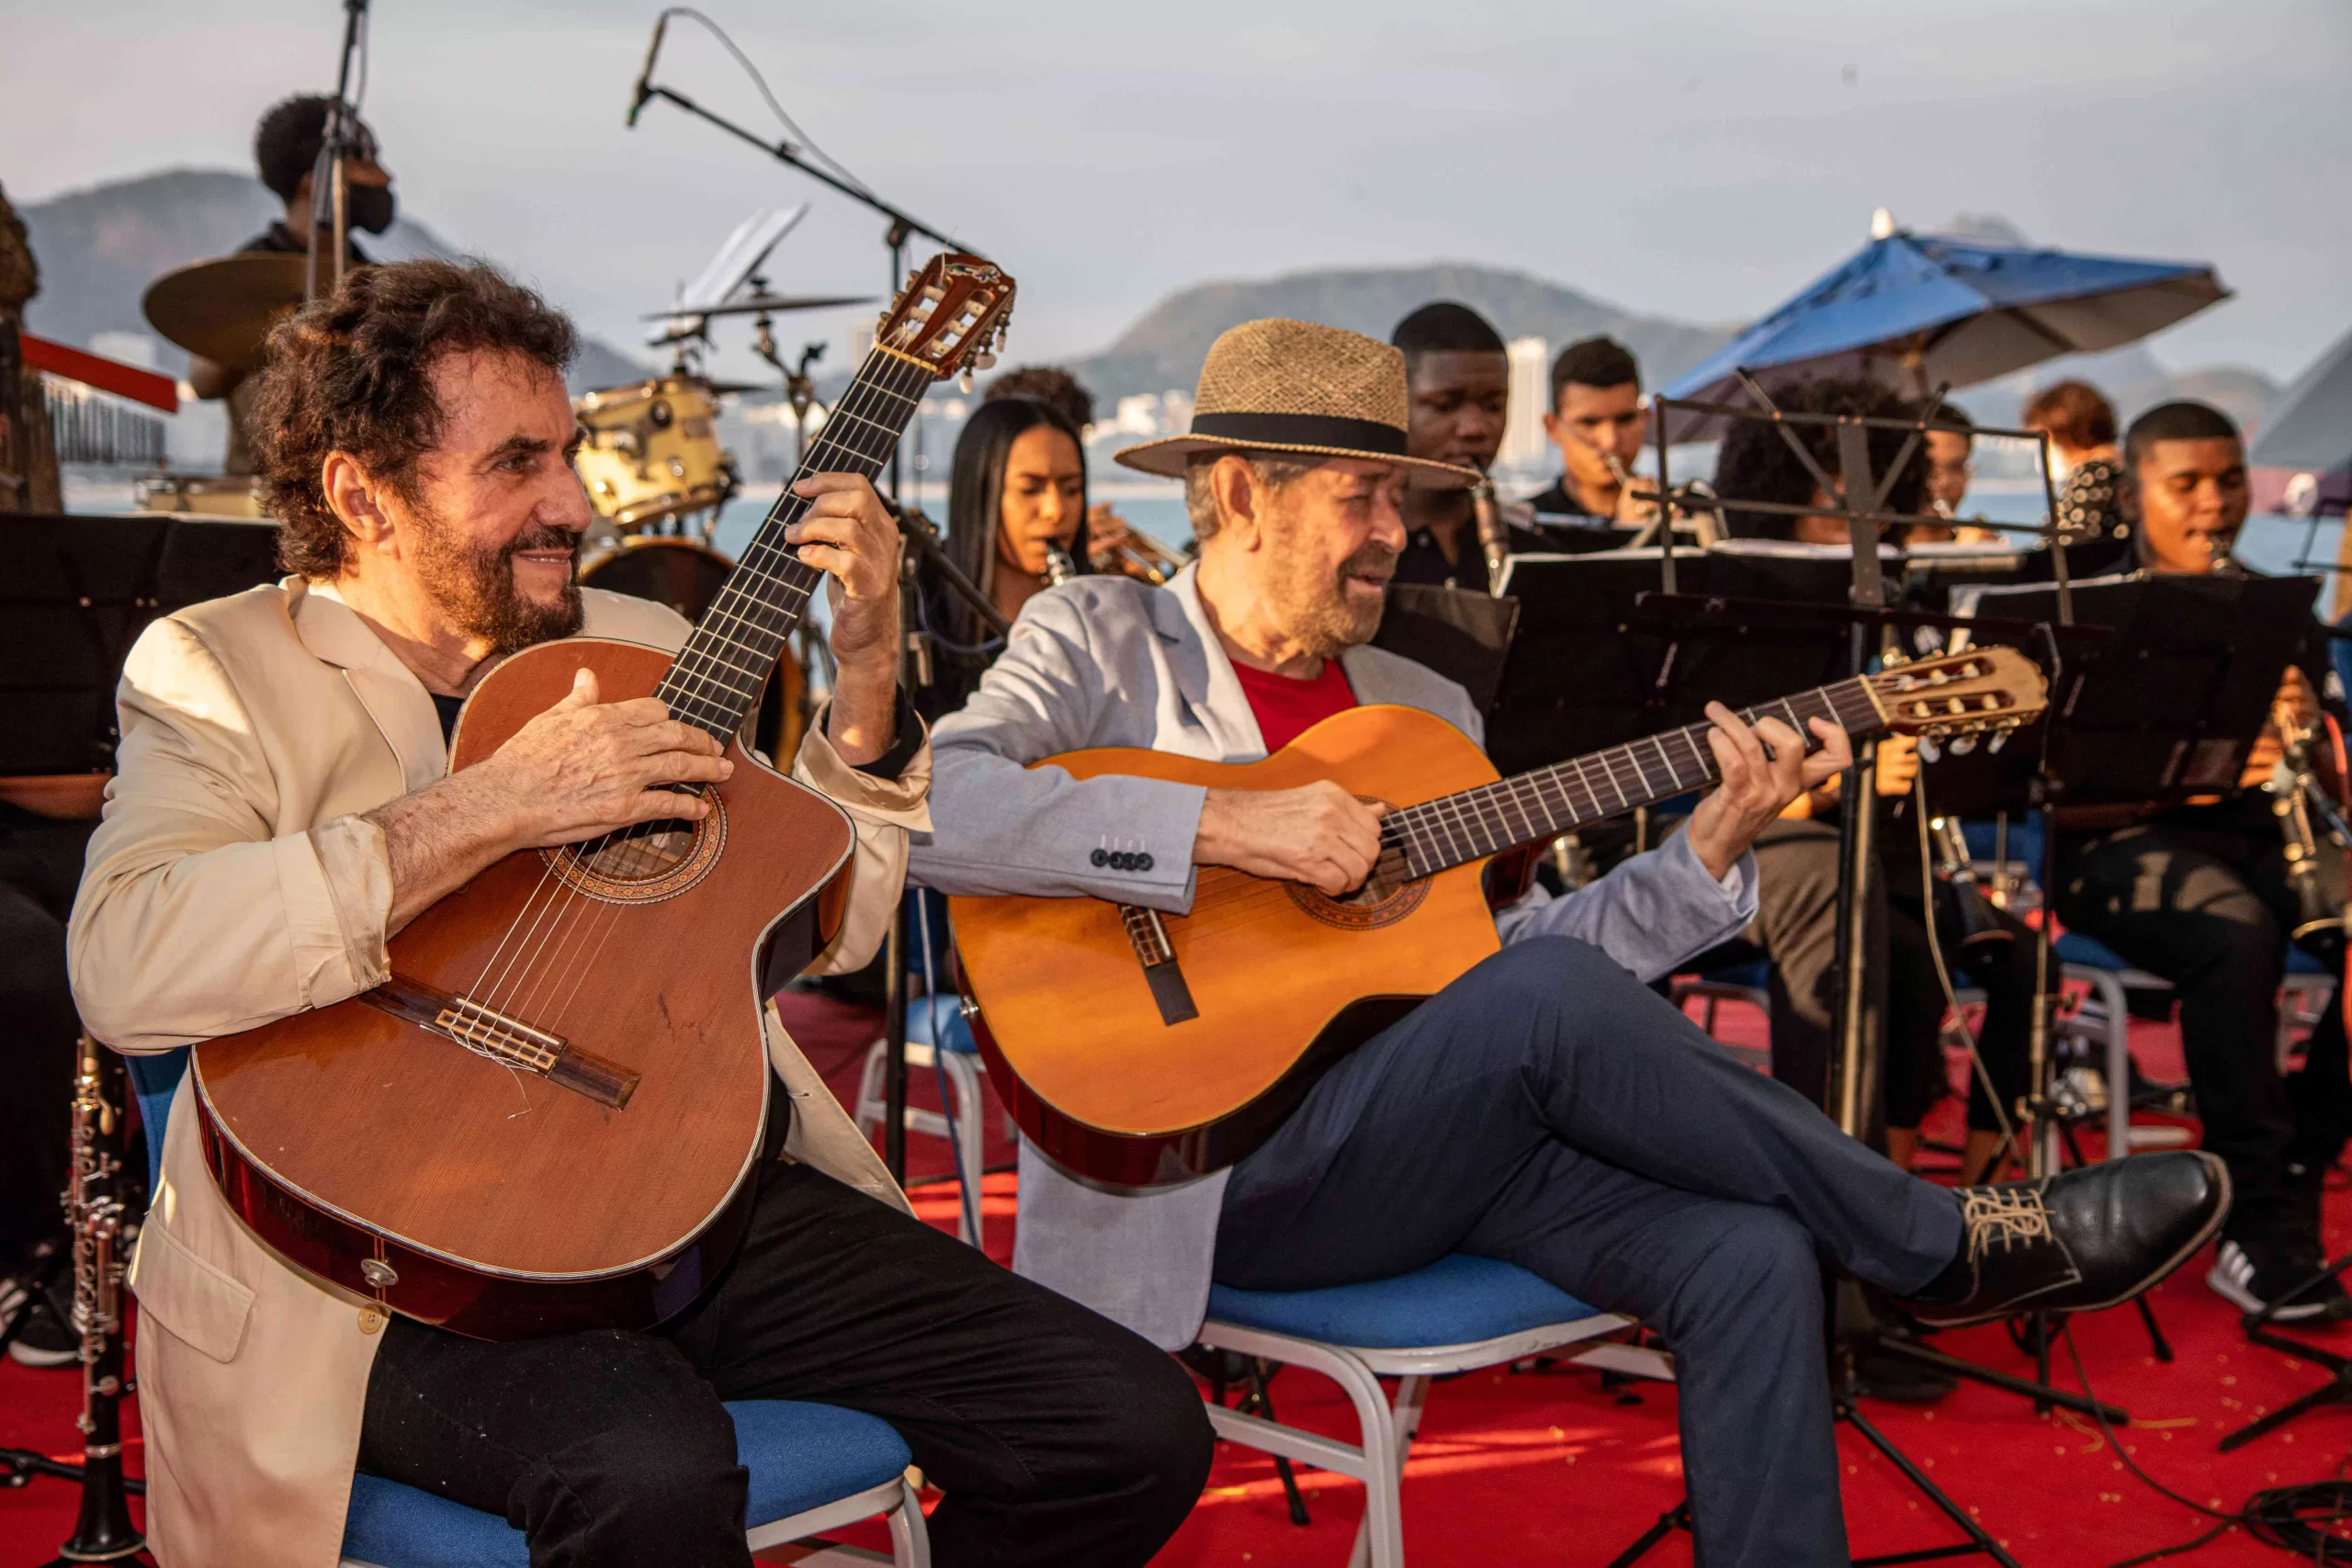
915	670
894	238
334	158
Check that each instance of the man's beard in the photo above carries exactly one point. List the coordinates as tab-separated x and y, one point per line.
475	586
1325	619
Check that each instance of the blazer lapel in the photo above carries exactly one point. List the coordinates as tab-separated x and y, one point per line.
1205	675
397	701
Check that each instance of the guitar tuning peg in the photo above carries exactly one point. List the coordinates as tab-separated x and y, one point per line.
2000	739
986	361
1928	749
1962	745
963	382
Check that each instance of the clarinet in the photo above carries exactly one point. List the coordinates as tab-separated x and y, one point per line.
1059	567
2292	790
96	1209
1979	929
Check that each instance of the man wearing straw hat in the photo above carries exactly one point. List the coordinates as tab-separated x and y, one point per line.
1546	1108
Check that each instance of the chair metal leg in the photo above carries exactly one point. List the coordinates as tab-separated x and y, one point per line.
909	1535
970	1124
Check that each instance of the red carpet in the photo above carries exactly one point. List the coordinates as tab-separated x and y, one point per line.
1548	1468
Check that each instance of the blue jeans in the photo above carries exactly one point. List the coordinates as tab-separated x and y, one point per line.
1549	1109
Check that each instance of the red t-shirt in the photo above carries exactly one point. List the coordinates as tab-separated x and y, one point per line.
1288	707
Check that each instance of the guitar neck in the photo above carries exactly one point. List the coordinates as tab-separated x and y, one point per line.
720	672
1530	807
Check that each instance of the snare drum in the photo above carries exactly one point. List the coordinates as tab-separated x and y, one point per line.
687	577
651	450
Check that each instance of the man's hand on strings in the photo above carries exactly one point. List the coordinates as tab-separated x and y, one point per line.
583	768
1755	788
1318	834
847	535
586	767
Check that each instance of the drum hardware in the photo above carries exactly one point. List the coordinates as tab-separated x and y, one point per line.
204	495
103	1223
649	452
763	303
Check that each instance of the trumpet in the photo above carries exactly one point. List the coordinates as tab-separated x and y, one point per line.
1137	555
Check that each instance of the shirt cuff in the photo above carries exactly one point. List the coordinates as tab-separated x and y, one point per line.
909	728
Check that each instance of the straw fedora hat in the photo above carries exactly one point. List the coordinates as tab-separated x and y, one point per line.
1282	386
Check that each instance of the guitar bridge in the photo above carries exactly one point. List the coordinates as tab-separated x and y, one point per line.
509	1042
1157	956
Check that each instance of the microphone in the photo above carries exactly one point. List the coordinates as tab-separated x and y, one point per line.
1494	539
644	77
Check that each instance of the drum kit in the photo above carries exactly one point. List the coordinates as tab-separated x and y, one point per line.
649	455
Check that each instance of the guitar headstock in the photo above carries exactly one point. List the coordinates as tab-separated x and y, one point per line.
1954	698
951	315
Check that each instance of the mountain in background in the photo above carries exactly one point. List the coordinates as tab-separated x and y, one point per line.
1164	349
101	248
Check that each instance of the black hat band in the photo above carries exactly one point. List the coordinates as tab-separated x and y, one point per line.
1303	430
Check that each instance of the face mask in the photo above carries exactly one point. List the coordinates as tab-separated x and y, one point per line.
369	208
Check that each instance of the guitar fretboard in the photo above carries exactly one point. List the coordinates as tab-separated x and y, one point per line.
718	674
1455	828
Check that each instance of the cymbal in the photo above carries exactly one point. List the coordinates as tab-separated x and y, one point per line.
224	309
769	303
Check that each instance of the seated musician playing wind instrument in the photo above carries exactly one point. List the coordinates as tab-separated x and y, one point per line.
1546	1108
285	805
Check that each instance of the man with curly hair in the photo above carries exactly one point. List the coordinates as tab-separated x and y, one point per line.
284	805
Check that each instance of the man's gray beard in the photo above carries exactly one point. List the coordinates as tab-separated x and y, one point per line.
1330	630
476	588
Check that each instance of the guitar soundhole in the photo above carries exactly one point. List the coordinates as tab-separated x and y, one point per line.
646	863
1389	894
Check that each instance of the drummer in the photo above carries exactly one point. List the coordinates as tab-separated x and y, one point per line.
285	154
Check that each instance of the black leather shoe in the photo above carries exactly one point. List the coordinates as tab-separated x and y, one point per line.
2078	1241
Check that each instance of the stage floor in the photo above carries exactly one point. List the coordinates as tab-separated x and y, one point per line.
1548	1467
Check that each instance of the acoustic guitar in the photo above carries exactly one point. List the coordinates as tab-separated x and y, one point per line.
548	1119
1141	1048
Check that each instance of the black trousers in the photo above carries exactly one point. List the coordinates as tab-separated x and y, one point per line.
1549	1109
40	863
1796	928
1914	1011
1057	1436
2202	901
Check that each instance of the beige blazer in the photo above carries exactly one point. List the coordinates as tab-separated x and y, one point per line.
233	882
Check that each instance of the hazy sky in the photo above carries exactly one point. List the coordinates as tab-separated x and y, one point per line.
1693	159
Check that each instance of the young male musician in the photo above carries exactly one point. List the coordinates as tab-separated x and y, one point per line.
284	806
1458	378
2198	895
285	155
1546	1108
1597	422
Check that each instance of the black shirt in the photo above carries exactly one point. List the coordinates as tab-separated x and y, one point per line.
278	240
1424	558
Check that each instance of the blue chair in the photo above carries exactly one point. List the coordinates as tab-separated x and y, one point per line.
1455	1316
813	1467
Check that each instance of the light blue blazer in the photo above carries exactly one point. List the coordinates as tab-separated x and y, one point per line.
1111	661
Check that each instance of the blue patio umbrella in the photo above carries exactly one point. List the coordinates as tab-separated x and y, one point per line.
2303	455
1923	310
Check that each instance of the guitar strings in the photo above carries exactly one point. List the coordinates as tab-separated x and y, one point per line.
569	955
769	558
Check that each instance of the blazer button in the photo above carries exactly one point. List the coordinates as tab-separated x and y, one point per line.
1100	857
1143	862
371	1319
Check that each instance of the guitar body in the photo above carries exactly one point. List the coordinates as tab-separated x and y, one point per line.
384	1157
1284	979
